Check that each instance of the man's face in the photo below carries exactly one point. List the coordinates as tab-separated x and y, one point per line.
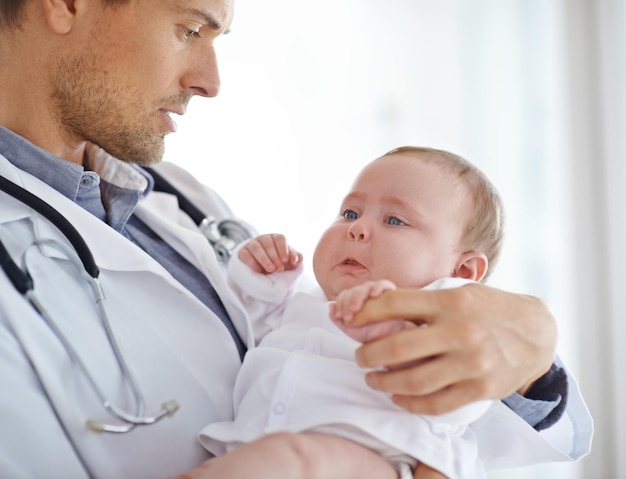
139	63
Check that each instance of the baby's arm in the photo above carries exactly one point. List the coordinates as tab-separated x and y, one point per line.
269	253
263	274
350	301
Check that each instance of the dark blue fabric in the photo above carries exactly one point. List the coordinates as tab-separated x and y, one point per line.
552	386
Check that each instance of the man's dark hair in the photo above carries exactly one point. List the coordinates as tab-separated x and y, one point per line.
12	12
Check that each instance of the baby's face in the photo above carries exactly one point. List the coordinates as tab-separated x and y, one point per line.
402	221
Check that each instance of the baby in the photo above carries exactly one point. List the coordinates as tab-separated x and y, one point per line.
415	217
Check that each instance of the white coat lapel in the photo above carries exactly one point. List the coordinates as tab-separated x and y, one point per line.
111	250
161	212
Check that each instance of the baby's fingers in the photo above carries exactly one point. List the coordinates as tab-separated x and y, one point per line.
266	253
376	288
349	302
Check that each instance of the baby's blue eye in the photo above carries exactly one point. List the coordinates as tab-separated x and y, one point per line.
349	215
393	221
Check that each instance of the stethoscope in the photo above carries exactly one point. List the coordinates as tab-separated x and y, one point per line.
223	236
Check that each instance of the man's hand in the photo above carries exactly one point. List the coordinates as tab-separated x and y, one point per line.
269	253
480	343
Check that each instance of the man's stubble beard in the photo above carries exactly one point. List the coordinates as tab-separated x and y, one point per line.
90	106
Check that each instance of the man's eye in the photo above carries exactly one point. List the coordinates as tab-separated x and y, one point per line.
188	33
349	215
393	221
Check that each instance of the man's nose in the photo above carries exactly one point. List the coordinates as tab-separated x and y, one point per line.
203	77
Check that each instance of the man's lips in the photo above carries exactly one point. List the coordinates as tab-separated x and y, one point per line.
169	122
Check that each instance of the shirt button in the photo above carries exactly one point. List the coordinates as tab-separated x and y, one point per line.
88	179
279	408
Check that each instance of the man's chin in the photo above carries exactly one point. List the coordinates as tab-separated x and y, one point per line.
142	157
147	162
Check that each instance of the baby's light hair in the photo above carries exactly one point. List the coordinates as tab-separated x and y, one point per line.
484	230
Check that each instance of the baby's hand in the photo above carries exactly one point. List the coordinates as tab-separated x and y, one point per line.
269	253
350	301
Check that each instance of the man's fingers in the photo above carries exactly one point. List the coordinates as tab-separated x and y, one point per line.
440	402
404	347
404	303
421	378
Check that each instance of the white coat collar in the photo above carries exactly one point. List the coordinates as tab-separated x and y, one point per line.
111	250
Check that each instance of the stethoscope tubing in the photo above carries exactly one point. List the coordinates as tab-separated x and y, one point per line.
57	219
84	262
161	184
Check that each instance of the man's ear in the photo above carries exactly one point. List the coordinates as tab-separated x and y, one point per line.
471	265
60	14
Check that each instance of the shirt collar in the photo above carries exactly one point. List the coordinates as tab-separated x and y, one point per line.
110	192
61	175
125	176
64	176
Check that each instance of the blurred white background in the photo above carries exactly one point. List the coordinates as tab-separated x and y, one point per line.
528	90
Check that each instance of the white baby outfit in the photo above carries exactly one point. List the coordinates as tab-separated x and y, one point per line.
302	376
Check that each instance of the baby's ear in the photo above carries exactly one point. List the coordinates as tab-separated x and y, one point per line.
471	265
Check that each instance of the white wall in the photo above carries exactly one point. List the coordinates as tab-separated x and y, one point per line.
597	119
314	90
